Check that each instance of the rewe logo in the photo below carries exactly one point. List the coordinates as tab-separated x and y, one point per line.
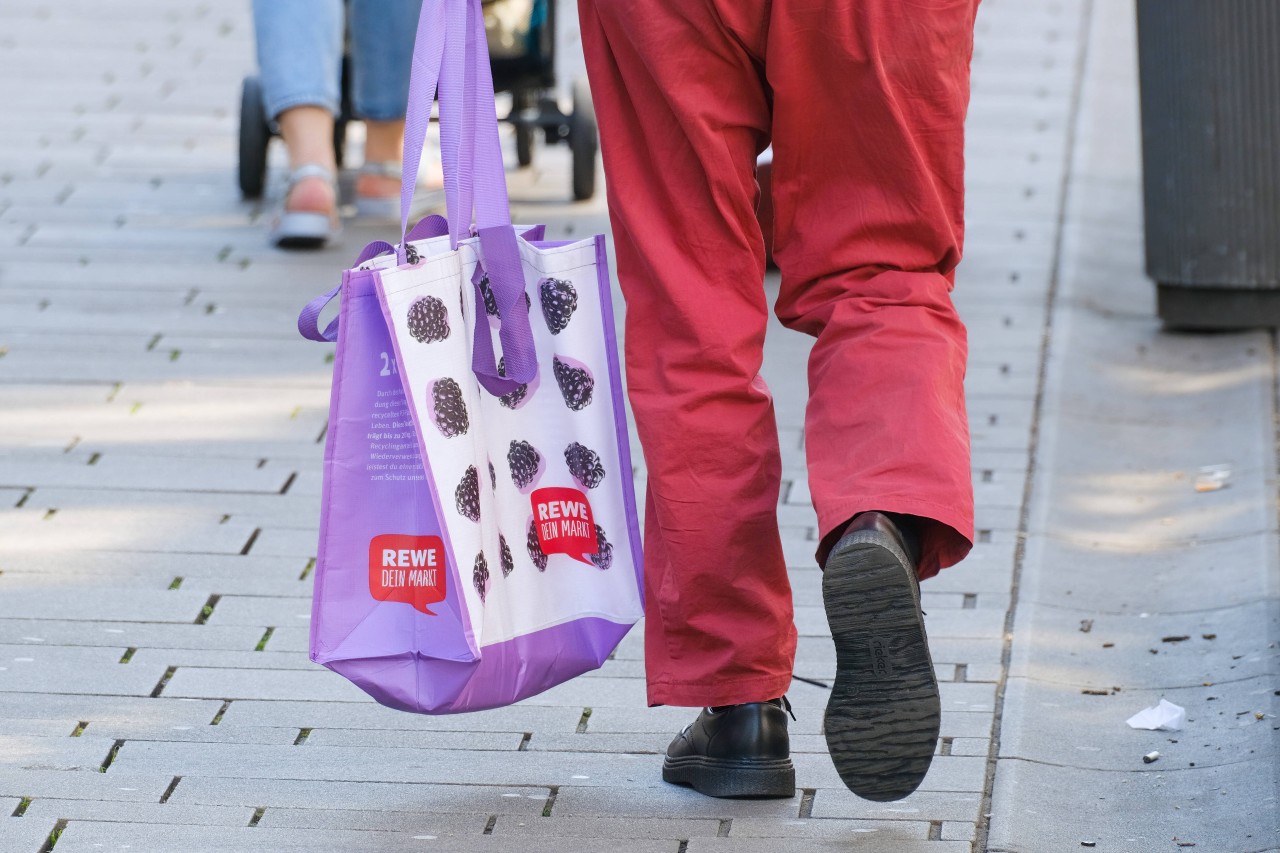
564	523
407	568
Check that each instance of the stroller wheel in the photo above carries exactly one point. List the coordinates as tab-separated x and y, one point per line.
584	141
254	136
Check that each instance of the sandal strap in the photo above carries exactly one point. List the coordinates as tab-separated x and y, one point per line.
383	168
312	170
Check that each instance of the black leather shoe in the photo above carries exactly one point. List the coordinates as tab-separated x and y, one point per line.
735	751
883	715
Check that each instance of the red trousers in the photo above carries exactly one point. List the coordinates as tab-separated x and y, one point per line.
864	104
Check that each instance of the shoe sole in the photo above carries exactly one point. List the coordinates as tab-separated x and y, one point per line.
722	777
883	716
299	230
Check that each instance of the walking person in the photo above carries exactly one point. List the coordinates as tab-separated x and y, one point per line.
300	44
863	102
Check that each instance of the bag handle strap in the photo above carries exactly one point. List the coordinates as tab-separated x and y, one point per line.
451	56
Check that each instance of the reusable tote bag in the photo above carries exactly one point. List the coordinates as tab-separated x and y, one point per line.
478	538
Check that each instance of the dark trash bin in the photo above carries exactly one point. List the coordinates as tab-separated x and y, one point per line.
1209	74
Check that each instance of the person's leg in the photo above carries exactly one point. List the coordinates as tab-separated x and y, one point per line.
382	36
299	47
869	105
868	176
683	112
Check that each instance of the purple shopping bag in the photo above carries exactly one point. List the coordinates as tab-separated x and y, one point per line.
399	607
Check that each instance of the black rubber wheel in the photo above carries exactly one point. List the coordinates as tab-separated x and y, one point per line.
254	136
524	144
584	141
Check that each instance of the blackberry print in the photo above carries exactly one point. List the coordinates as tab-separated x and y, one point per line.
526	464
448	411
575	381
535	548
428	320
515	398
467	496
584	465
490	301
508	562
604	557
559	301
480	575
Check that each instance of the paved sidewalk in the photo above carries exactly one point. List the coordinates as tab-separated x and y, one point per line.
161	429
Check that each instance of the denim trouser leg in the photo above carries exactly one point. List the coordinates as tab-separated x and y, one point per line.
382	35
299	52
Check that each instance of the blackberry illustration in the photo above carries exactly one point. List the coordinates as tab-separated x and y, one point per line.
428	320
508	562
513	399
493	477
480	575
535	549
559	301
448	412
490	301
525	462
575	381
584	465
467	496
604	557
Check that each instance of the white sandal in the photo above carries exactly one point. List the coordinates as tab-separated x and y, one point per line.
305	229
379	207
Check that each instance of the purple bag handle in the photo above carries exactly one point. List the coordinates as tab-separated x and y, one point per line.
451	55
309	320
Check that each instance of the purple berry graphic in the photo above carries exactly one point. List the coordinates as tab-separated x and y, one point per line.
526	464
467	496
604	557
428	320
493	477
480	575
490	301
575	381
559	301
486	293
584	465
448	412
516	398
508	562
535	549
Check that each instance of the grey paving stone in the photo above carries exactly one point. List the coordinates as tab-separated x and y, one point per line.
118	710
366	796
457	740
855	842
105	605
886	833
668	801
922	806
161	814
113	785
205	732
579	828
215	683
42	668
25	836
408	821
1220	645
87	752
369	715
124	634
1090	731
1215	807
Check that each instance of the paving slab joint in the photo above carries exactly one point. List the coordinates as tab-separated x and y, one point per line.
111	755
168	792
806	802
257	815
22	807
217	718
207	610
54	835
554	791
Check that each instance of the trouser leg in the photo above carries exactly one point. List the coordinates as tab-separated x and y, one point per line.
868	170
299	47
683	111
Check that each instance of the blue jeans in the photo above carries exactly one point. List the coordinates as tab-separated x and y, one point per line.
300	46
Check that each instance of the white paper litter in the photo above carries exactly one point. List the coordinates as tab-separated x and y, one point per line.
1166	717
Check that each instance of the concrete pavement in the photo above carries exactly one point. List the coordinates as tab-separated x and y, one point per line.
160	448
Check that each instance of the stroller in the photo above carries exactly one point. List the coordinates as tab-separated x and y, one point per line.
521	38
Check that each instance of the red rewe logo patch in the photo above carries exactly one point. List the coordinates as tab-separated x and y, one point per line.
562	517
407	568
